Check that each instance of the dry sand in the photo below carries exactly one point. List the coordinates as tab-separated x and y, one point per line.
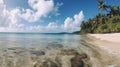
110	45
108	42
113	37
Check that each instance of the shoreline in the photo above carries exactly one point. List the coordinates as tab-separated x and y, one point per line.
107	42
111	37
109	47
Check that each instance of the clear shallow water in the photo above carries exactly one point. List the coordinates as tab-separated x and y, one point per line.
38	40
13	52
22	57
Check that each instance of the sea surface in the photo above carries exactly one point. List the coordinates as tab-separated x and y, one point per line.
50	50
33	40
34	50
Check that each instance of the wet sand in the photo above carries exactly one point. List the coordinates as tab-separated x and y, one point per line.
109	43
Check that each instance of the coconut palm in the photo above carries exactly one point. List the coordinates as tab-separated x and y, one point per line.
102	5
114	10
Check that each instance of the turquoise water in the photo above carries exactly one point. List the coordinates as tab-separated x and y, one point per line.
28	50
38	40
28	54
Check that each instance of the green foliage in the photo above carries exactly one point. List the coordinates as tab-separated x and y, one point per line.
103	23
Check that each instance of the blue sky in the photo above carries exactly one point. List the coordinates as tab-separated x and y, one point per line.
47	15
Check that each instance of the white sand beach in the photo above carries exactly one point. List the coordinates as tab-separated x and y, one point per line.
109	45
113	37
109	42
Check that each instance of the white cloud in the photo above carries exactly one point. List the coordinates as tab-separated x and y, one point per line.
35	28
73	24
69	25
1	2
52	25
56	9
9	19
15	28
40	8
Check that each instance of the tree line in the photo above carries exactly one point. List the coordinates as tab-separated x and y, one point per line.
106	22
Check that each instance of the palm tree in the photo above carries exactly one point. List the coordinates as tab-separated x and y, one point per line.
114	10
118	10
101	5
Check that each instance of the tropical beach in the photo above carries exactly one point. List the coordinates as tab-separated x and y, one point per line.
59	33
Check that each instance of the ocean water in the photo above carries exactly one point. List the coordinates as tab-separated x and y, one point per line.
27	40
33	50
39	50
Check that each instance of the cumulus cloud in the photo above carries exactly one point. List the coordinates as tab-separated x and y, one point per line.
73	24
69	25
40	8
9	19
1	2
51	27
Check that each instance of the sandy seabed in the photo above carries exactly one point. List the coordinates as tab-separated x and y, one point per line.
95	50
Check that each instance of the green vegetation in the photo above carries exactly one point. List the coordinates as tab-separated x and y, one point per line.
106	22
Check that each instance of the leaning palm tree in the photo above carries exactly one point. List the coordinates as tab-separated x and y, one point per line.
101	5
